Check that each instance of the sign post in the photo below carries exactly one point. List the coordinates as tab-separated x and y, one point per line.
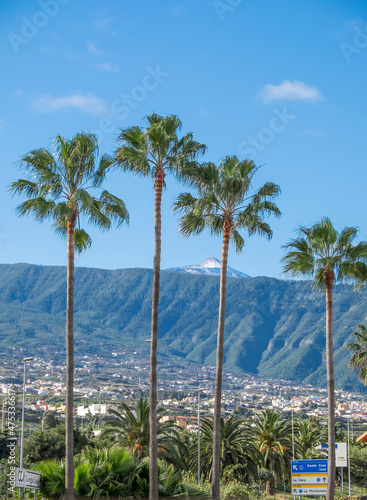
309	477
27	478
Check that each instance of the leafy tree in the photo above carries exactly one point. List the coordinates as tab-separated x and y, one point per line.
274	441
131	429
358	460
358	361
49	421
59	188
50	445
44	446
4	450
328	256
152	153
237	449
225	205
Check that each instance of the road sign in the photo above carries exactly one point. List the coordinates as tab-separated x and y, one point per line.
341	455
27	478
309	466
311	490
309	477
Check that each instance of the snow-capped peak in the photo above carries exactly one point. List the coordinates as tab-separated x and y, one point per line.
209	267
210	263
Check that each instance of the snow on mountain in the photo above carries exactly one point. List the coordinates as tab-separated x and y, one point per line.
209	267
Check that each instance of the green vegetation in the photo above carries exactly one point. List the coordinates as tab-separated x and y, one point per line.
130	428
238	453
112	473
274	440
255	460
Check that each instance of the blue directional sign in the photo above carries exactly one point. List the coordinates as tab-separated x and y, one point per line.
309	466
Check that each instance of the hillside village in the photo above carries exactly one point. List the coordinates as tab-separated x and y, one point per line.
101	385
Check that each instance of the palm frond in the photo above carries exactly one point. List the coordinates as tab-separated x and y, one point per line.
82	240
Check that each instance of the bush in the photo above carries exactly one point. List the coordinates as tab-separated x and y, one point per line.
234	491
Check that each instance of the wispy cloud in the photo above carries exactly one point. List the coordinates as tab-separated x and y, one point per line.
314	133
106	67
203	111
290	91
3	125
93	49
88	103
105	24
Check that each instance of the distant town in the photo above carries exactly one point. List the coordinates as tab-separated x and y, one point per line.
105	379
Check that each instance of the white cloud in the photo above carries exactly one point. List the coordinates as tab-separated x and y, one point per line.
93	49
291	91
89	103
107	67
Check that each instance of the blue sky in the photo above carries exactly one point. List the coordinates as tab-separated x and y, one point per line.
281	82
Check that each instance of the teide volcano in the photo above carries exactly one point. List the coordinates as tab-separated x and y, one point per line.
209	267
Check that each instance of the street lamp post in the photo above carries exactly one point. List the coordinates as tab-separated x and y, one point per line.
199	389
23	403
349	460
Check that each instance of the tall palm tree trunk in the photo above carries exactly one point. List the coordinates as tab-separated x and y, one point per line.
329	277
219	369
153	445
69	451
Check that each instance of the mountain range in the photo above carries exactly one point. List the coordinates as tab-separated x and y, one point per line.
274	328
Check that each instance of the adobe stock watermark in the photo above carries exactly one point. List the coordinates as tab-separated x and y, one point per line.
359	43
224	7
121	107
31	26
11	437
277	123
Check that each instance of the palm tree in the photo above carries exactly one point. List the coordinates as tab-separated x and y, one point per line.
274	441
131	429
225	205
59	188
236	449
308	437
358	361
154	152
328	256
